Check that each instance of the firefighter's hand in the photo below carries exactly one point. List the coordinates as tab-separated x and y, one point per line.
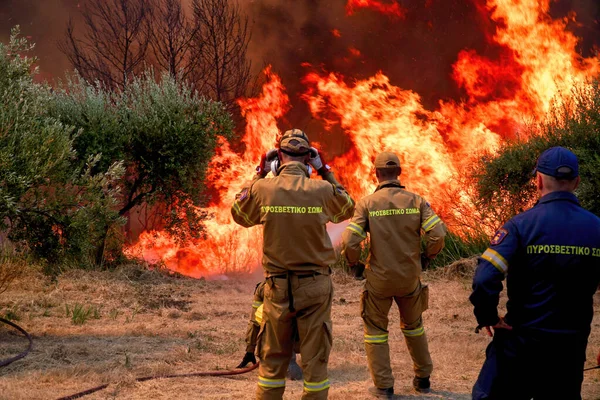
317	161
598	360
499	325
248	358
265	162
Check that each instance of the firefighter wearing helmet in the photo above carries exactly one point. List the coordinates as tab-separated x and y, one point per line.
394	219
297	254
549	257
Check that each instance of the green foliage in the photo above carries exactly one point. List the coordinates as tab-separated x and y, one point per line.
12	314
164	133
459	247
114	314
74	161
504	181
343	265
46	205
79	314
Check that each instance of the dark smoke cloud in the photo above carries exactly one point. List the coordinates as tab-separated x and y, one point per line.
587	26
416	52
44	23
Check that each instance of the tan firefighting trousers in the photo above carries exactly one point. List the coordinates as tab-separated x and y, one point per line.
255	320
374	311
311	321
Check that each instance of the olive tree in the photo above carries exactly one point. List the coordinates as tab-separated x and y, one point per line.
163	132
48	207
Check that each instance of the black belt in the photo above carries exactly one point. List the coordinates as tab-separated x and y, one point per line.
289	284
285	276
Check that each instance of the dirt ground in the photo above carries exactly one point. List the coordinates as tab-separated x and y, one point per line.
143	323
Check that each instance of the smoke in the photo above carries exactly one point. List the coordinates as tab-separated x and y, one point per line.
587	23
417	52
43	22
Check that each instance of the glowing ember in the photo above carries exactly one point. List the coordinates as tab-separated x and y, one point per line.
537	62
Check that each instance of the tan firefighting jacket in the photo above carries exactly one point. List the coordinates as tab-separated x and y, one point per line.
294	210
394	218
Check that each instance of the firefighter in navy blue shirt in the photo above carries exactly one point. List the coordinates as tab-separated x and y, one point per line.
550	257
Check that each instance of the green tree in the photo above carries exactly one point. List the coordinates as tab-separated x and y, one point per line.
504	181
46	205
164	133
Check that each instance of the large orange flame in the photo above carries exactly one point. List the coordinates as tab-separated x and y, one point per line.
225	248
538	64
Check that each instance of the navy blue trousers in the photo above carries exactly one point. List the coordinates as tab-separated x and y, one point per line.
528	365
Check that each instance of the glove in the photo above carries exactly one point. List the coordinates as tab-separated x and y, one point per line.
317	161
425	261
248	358
357	270
598	360
265	162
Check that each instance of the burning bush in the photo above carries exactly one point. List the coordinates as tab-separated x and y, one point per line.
164	133
504	183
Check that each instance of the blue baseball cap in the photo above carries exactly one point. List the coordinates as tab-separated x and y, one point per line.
558	162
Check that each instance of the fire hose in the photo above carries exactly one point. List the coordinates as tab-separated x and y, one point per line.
148	378
4	363
190	375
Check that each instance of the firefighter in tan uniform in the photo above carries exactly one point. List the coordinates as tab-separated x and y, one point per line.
294	372
297	254
254	325
394	219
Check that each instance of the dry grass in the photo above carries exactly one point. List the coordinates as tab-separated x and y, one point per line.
11	265
155	324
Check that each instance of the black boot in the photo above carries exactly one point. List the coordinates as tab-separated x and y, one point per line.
422	385
294	371
382	393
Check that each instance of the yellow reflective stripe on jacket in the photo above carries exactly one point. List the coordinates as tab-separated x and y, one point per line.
376	338
256	304
344	209
430	223
316	386
258	314
271	383
496	260
356	228
414	332
242	214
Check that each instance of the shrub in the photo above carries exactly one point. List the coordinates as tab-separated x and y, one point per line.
164	133
503	181
80	314
459	247
46	206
